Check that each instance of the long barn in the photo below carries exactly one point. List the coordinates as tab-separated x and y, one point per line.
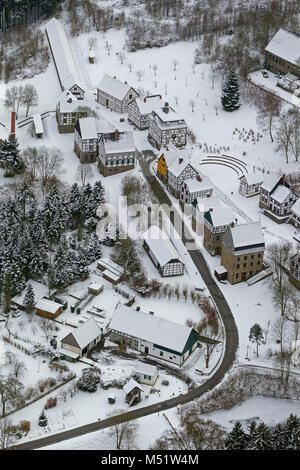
63	58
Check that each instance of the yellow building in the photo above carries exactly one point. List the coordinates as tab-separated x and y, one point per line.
162	168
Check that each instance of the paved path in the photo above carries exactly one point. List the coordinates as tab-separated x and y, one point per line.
231	345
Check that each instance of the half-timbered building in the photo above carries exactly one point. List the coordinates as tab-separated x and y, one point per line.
216	222
277	198
178	172
114	94
162	252
87	134
68	110
139	110
167	127
192	188
250	184
117	154
200	206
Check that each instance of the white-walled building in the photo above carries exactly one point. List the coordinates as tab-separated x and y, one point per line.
114	94
152	335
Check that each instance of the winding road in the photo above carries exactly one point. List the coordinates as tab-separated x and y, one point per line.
231	345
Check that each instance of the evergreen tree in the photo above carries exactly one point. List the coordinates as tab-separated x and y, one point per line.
230	97
55	215
43	420
75	206
292	432
279	438
10	156
256	335
29	299
262	438
237	439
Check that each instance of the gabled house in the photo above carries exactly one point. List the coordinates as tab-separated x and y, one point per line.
200	206
250	184
68	110
277	198
87	134
152	335
133	392
47	308
295	218
162	252
114	94
192	188
216	223
243	249
117	154
80	341
139	110
282	52
179	170
166	127
146	373
40	291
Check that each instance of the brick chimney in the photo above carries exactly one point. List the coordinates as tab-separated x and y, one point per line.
151	312
138	308
13	124
283	179
145	99
198	178
166	103
116	134
160	97
180	160
211	209
126	83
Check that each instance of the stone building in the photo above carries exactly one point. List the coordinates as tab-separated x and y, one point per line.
140	109
117	154
115	94
167	127
243	251
282	53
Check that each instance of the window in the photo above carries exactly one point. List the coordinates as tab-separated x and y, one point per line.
245	257
161	353
238	266
244	265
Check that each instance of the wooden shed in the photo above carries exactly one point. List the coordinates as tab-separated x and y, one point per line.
48	309
133	392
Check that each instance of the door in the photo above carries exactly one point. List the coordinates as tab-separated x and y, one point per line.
146	350
244	276
107	102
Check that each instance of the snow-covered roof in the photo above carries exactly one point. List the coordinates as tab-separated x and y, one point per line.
167	114
62	54
125	143
111	275
160	245
95	286
3	132
104	126
220	269
146	369
39	290
281	193
132	384
194	185
83	335
172	155
285	44
87	129
148	104
111	266
47	305
150	328
114	87
253	178
221	216
270	182
68	102
67	352
296	208
206	203
37	120
247	234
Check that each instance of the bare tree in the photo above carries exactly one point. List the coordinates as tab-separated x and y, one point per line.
176	100
84	172
211	329
18	368
10	390
125	431
140	74
284	132
122	57
108	47
192	105
279	331
278	255
295	138
11	96
175	63
29	97
47	327
155	69
30	156
269	106
284	359
92	43
20	97
7	433
48	164
130	66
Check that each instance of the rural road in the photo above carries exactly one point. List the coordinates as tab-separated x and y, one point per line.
231	345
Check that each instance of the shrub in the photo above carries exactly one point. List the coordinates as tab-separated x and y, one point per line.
25	426
51	403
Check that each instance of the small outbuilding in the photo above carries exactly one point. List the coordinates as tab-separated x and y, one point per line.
133	392
146	374
221	273
92	57
38	126
95	288
48	309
